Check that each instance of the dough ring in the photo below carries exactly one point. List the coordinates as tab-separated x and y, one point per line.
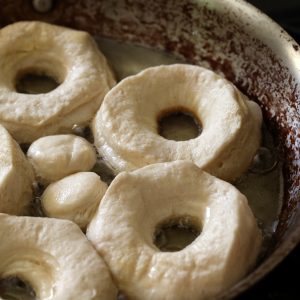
126	130
123	232
54	257
56	156
16	177
75	197
70	57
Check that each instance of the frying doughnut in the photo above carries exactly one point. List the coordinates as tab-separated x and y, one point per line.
54	257
54	157
70	57
75	197
16	177
126	131
136	202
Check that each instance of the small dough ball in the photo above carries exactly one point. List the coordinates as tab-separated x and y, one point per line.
54	157
75	197
16	177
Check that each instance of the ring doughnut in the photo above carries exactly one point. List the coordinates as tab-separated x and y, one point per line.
75	197
126	131
70	57
54	257
56	156
16	177
123	230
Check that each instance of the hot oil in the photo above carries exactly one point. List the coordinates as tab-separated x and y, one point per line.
126	59
262	183
263	186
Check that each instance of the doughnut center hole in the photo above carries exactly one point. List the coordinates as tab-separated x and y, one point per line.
178	124
177	233
121	296
13	288
35	82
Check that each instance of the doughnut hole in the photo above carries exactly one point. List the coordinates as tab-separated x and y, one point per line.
13	288
75	197
176	233
21	272
36	84
36	81
54	157
178	124
121	296
37	73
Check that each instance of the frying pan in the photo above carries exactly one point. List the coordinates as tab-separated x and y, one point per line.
229	36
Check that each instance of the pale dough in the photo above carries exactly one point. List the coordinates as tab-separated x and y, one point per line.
126	128
75	197
54	257
136	202
54	157
69	56
16	177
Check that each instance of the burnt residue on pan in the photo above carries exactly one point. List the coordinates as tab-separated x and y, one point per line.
210	35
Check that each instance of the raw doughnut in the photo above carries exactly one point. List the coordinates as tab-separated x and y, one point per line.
16	177
54	157
75	197
70	57
54	257
126	130
136	202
